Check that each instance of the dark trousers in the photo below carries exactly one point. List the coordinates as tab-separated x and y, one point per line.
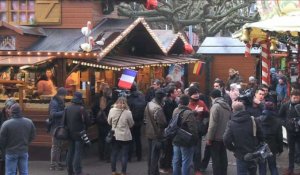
136	142
155	147
245	167
167	154
206	157
271	161
2	167
197	155
74	156
292	140
219	158
104	149
123	147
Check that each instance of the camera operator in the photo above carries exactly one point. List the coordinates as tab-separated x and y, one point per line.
77	121
255	104
240	138
290	119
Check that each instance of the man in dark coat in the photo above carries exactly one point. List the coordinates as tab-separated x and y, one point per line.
256	104
272	132
240	138
169	107
77	121
151	92
15	136
136	102
56	110
290	119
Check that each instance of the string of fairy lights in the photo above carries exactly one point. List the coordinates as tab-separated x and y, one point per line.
115	68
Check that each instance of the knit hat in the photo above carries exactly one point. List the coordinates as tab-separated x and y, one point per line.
193	90
9	102
15	109
215	93
61	91
77	98
273	70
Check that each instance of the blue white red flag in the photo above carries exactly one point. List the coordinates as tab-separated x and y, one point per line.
127	79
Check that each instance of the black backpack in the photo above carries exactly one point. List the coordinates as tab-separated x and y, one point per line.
173	126
137	105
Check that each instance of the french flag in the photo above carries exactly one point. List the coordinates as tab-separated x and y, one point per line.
127	79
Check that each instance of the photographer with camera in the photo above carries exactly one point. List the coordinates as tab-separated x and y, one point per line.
77	121
290	118
240	138
272	132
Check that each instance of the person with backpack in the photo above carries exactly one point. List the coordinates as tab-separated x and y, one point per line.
183	148
137	103
56	110
272	132
155	120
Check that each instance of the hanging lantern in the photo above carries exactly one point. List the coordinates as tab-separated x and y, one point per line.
188	49
273	44
151	4
245	35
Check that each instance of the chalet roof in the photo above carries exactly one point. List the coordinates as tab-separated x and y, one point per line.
169	39
224	45
113	30
24	29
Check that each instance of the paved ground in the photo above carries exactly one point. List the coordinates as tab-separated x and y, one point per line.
92	166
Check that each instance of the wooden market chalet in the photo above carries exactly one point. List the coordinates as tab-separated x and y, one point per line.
55	35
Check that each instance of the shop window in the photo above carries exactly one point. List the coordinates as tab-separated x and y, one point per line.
30	12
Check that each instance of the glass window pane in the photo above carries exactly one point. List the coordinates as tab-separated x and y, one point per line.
15	5
23	17
3	16
23	5
3	5
31	5
14	17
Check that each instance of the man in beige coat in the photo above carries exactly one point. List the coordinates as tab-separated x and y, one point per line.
155	123
219	116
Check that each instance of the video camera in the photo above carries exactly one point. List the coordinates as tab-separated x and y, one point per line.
122	92
246	96
262	153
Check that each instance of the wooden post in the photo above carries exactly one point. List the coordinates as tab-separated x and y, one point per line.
21	96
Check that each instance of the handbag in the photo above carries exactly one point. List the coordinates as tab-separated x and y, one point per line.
183	136
111	134
61	132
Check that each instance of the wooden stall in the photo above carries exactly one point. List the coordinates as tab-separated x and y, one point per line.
222	53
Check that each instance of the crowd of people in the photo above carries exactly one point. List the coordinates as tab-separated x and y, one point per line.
232	117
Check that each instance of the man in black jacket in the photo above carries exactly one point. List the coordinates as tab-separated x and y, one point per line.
290	119
272	132
136	102
56	110
240	137
169	107
77	121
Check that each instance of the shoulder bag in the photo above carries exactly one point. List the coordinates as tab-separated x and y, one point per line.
111	134
61	132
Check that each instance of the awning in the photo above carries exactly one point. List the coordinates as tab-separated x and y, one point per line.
133	61
23	60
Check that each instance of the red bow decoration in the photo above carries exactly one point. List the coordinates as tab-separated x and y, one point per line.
188	49
151	4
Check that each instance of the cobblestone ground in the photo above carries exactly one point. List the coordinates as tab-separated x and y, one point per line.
93	166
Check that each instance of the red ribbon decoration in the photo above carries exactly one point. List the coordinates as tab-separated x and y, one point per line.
188	49
151	4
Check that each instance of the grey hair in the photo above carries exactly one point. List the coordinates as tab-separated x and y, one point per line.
238	106
234	86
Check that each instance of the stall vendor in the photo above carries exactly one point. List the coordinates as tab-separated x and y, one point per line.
45	85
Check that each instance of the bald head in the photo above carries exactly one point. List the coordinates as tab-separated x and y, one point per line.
238	106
